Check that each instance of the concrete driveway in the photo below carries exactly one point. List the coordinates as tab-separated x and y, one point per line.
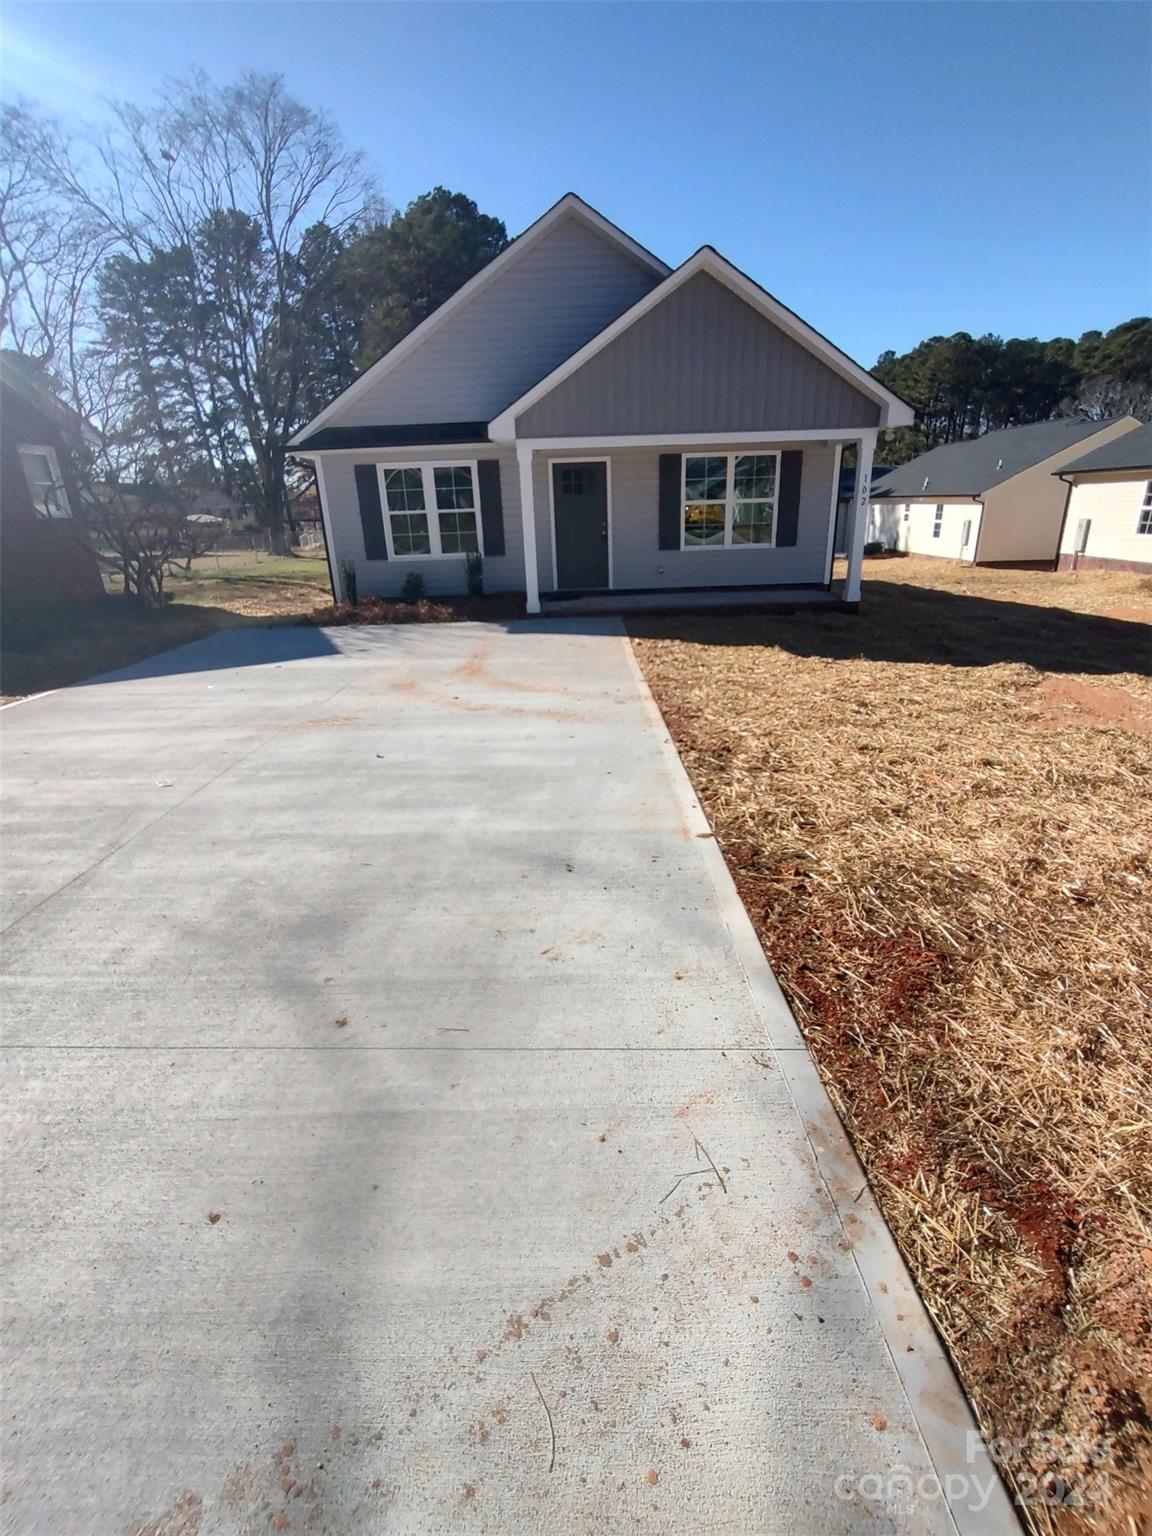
405	1133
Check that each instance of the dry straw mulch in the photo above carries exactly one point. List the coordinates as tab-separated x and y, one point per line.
939	814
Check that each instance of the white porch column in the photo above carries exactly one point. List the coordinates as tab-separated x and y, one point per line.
864	455
528	519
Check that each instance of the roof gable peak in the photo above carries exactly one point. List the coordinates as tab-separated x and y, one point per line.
570	205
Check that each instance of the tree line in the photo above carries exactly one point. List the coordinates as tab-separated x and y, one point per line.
198	278
964	385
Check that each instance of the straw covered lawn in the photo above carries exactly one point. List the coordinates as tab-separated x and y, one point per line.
939	814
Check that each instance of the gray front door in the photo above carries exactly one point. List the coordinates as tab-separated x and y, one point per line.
580	506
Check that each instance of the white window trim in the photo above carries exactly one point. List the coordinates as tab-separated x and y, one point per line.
1144	516
600	458
57	479
431	510
729	499
937	519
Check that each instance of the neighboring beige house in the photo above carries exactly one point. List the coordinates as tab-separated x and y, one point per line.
1108	522
991	500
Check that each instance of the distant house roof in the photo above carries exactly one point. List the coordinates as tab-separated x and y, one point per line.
417	435
18	373
1131	451
847	486
976	465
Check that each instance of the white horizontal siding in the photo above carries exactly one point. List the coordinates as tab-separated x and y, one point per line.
443	577
1113	503
541	308
907	526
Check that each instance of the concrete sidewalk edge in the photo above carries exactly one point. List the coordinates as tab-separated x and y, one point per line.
977	1499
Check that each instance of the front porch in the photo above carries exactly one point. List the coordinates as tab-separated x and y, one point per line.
619	525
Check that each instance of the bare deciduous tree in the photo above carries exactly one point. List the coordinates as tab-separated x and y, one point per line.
198	251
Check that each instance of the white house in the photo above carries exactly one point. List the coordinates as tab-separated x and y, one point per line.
1108	522
588	421
990	500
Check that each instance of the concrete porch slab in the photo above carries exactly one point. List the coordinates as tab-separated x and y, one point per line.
764	599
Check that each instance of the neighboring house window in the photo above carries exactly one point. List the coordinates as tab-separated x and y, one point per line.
1145	523
937	520
42	472
729	499
432	510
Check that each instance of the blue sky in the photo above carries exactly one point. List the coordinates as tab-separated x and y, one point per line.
890	171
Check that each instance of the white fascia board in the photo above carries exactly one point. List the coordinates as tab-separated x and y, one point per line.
568	204
700	439
894	411
367	455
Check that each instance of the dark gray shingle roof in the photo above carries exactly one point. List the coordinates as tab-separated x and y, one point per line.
972	467
1131	451
414	435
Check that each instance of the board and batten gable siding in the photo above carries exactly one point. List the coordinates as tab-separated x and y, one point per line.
639	562
540	309
702	360
1112	502
442	578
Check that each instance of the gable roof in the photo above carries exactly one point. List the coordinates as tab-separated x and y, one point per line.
1133	450
971	467
568	206
894	411
15	374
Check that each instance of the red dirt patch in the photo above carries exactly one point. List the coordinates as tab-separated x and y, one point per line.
1067	701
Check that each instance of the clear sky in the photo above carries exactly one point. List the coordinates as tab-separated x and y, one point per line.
890	171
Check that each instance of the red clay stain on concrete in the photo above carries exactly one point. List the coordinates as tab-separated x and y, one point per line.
652	1477
181	1518
604	1260
692	1102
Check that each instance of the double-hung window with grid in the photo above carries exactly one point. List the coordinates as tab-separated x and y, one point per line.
431	510
1144	522
730	499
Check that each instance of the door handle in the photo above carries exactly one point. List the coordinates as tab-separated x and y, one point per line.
604	532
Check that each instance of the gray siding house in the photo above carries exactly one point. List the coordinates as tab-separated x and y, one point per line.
589	421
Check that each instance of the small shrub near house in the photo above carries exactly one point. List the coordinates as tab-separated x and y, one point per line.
413	589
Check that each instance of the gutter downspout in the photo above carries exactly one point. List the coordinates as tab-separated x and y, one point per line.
979	500
318	480
1064	524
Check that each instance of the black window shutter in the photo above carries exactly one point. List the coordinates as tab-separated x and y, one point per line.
371	516
491	506
788	507
671	510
